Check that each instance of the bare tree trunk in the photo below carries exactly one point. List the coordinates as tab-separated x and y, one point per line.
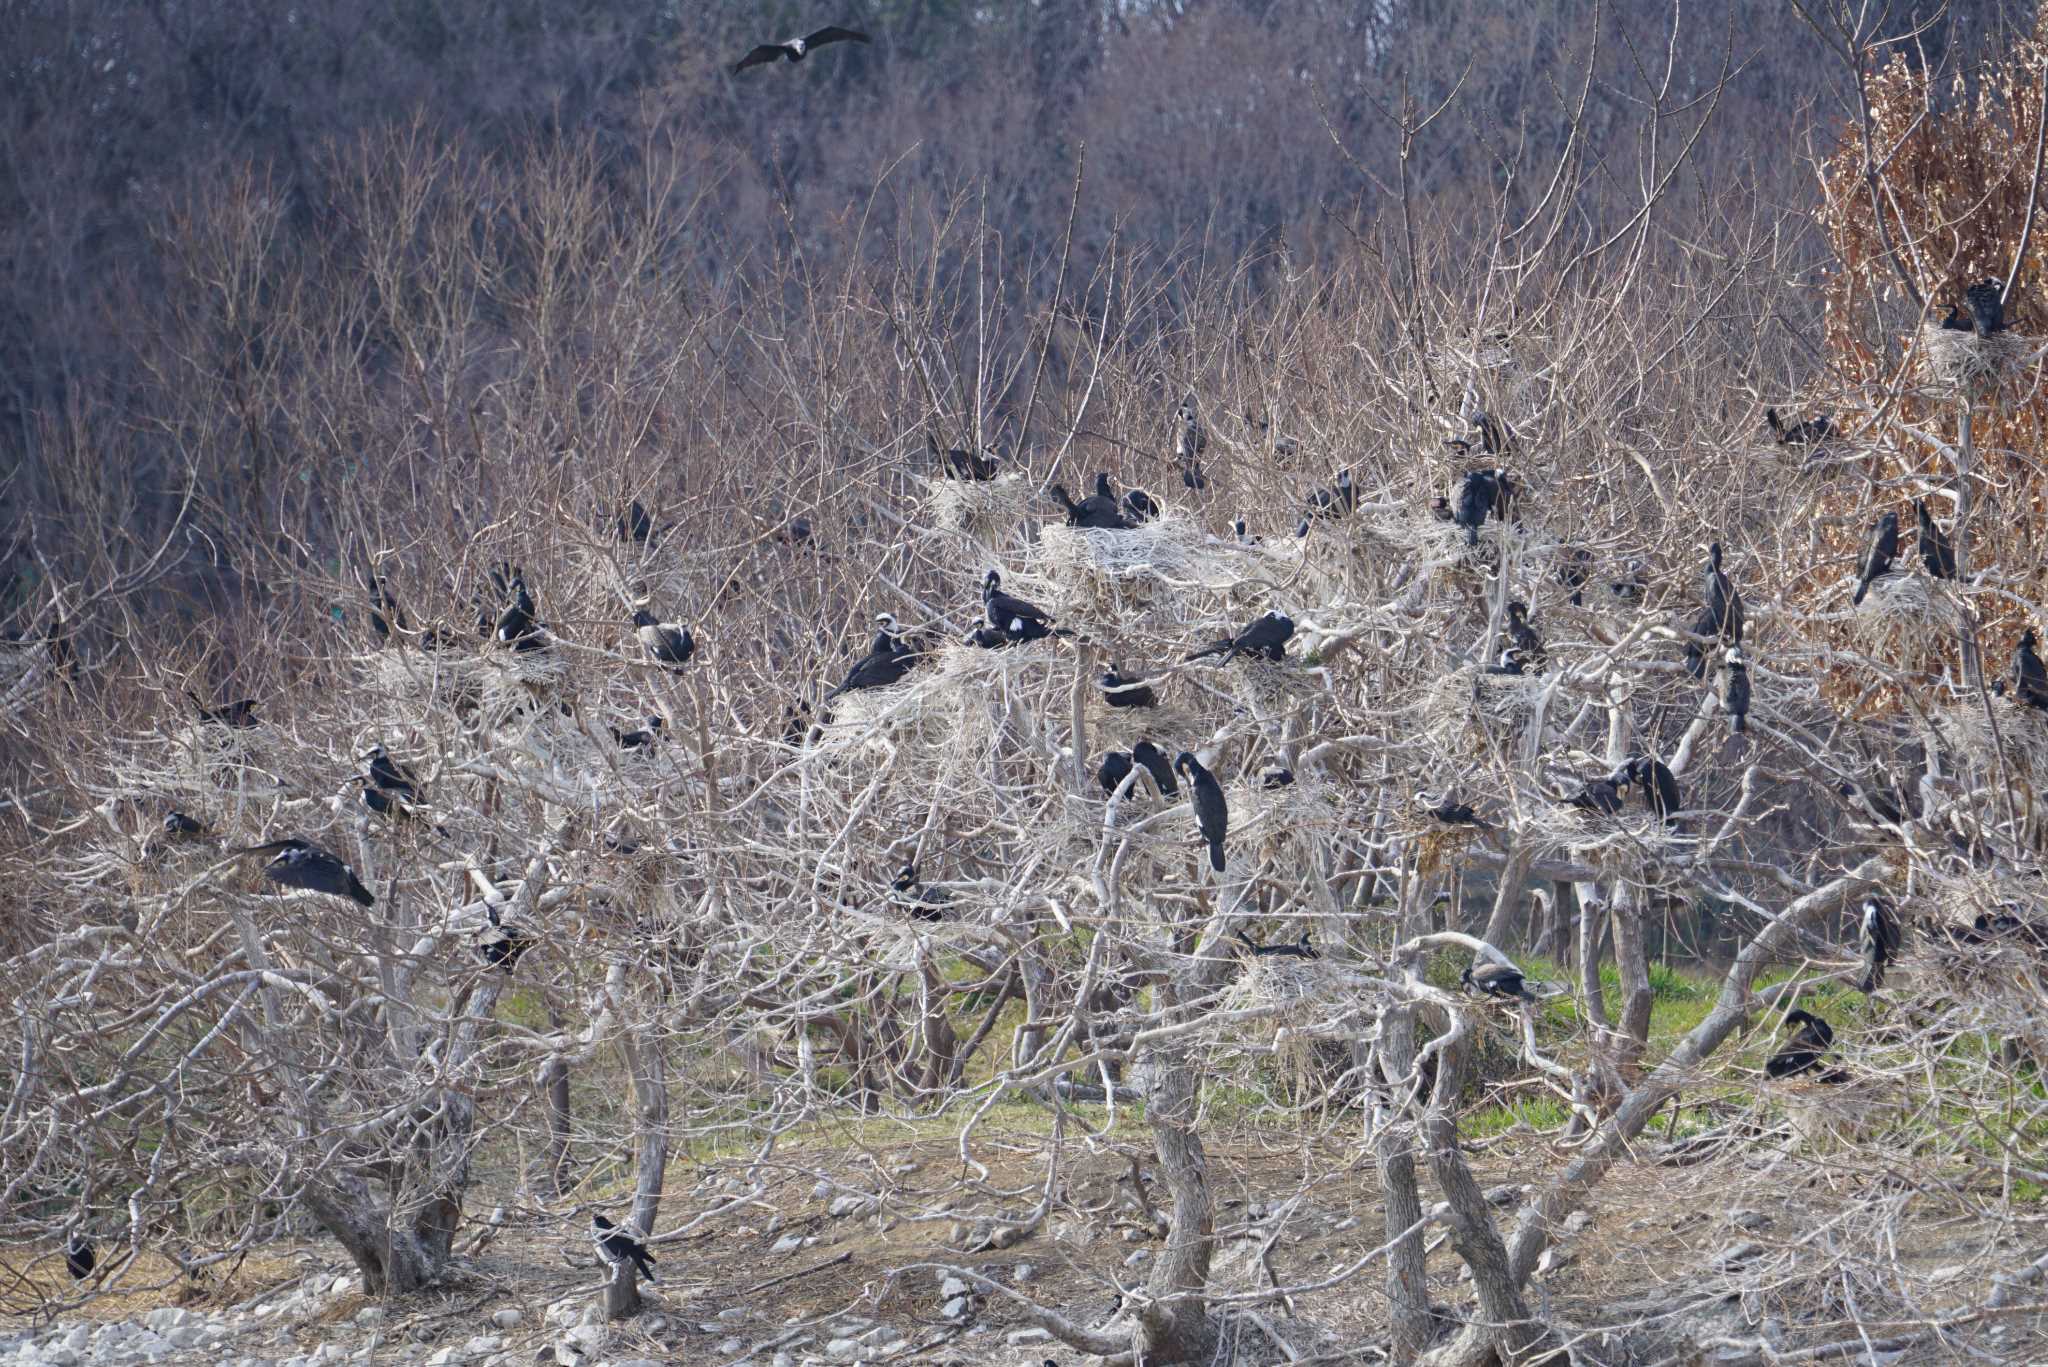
554	1083
1394	1147
1636	996
648	1067
1175	1327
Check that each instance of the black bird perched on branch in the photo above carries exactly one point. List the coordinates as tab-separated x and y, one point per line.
385	616
1986	299
79	1256
1300	949
515	625
301	864
1659	785
1497	980
1212	813
1476	496
1265	638
1494	435
1139	507
1454	813
1015	618
1189	441
241	714
1118	691
887	661
502	946
1510	663
1601	795
1116	767
1735	690
389	775
957	464
926	904
668	642
1154	761
616	1247
794	50
1802	1053
1527	643
1937	552
635	524
638	740
2030	677
1724	615
180	826
1810	432
988	638
1339	500
1878	554
1095	511
1881	940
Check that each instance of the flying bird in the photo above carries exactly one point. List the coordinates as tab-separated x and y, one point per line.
1265	638
1212	813
1119	691
795	50
616	1247
1735	690
1937	552
1986	299
1881	941
668	642
501	946
1497	980
1878	554
240	715
301	864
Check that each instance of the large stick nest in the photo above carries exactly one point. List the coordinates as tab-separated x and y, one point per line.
1906	618
987	510
2024	730
1158	573
1959	364
1469	712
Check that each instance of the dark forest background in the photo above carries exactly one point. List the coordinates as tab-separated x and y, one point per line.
1211	130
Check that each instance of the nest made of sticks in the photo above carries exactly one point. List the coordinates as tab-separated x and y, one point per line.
1906	616
1308	993
423	679
1828	1115
1156	572
1467	710
2024	731
986	510
1270	691
1959	364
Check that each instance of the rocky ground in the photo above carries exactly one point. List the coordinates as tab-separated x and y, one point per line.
1716	1264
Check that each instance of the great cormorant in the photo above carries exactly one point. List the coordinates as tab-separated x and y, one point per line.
1116	767
636	525
1476	495
502	946
1811	432
1878	553
2029	676
794	50
639	740
1095	511
1802	1053
1880	935
1454	813
1212	813
1265	638
515	625
1602	795
1276	775
1937	552
79	1256
179	826
1527	642
385	616
925	904
1497	980
615	1246
1155	763
887	661
958	464
1119	691
1015	618
301	864
668	642
1735	690
241	714
1724	614
1986	299
1300	949
1659	785
1138	506
1510	663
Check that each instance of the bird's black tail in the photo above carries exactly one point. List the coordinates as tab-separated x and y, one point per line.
1873	975
1216	855
1740	724
646	1264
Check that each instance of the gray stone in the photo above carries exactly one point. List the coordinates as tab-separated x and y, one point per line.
370	1314
956	1308
56	1355
952	1286
843	1349
1577	1221
508	1318
483	1344
1018	1337
732	1347
1024	1272
186	1335
636	1362
1139	1256
843	1206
